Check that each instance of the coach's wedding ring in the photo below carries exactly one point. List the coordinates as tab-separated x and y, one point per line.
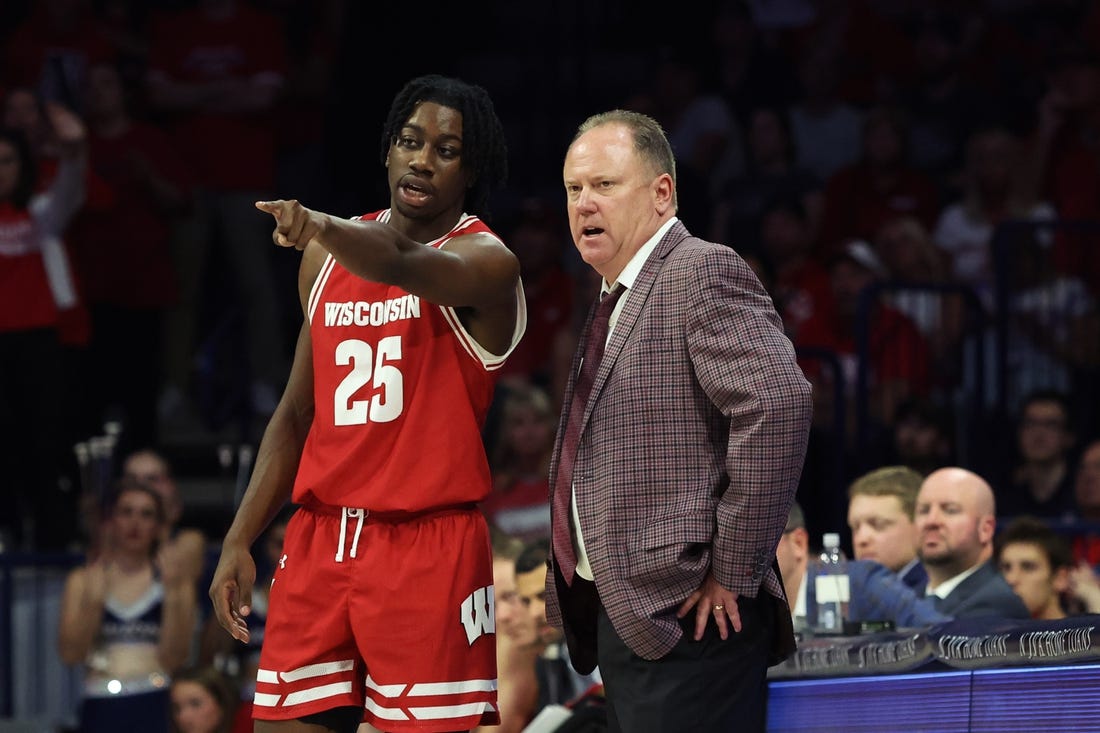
718	606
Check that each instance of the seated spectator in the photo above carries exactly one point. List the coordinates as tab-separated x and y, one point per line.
203	701
880	186
1041	483
1063	160
800	286
518	647
127	617
537	238
880	516
189	544
793	555
771	172
1086	493
1035	562
994	191
956	519
924	436
941	97
1053	323
1084	588
911	259
897	355
519	463
559	683
678	94
825	127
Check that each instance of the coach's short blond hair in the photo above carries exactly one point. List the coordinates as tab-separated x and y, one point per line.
901	482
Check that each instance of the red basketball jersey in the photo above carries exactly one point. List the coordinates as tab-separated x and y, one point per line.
400	390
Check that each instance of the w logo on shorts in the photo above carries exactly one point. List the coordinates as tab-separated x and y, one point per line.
479	614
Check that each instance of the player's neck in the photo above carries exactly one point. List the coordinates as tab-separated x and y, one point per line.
427	229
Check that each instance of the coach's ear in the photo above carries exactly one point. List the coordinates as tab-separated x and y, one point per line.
662	191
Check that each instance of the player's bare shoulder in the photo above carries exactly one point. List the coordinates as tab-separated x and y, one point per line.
313	259
498	266
477	240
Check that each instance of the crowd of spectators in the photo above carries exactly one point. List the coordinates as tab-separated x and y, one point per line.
917	184
864	157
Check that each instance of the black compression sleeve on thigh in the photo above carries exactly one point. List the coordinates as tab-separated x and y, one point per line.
341	720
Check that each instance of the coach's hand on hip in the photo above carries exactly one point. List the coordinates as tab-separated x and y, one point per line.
712	600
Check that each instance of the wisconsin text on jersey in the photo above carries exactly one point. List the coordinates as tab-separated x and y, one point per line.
377	313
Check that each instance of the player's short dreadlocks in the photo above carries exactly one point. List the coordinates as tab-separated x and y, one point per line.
483	149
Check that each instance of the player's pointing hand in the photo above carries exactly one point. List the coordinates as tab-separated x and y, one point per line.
295	225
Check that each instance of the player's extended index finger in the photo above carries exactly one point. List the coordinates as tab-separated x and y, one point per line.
275	208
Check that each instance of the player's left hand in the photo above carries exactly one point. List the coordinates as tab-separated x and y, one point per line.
295	225
712	600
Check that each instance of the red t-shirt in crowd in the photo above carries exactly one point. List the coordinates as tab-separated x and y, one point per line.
896	349
229	150
854	209
120	243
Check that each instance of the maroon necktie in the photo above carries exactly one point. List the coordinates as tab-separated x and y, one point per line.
564	555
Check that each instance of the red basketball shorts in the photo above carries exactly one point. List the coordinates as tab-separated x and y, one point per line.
396	617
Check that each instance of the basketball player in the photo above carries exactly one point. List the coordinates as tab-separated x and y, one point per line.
381	608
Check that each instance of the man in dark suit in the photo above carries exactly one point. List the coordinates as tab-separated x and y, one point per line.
681	442
956	520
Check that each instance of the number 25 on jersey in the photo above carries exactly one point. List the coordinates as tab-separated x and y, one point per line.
369	366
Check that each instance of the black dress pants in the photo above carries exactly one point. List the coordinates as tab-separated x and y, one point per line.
706	686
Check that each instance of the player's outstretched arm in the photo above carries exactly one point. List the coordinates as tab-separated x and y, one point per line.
475	273
472	270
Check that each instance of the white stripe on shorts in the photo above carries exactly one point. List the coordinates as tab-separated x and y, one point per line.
316	693
440	712
266	700
385	713
453	688
385	690
317	670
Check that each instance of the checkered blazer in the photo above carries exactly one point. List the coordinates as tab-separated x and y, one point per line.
692	443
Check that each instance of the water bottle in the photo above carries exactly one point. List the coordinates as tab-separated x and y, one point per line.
831	591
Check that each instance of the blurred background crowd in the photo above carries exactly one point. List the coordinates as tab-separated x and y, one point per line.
916	183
